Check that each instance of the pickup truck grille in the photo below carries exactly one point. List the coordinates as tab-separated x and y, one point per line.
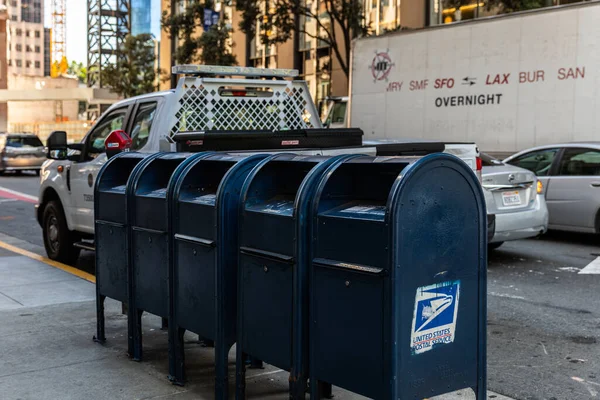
200	107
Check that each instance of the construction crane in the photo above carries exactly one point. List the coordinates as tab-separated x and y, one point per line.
58	47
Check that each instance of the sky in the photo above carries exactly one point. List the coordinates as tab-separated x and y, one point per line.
77	26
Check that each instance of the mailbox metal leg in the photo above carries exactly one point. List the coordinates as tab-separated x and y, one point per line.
136	332
297	385
100	333
221	369
319	390
177	355
240	375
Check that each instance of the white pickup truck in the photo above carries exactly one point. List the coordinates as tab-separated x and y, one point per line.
203	101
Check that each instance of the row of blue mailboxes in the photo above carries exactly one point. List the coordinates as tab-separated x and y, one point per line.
366	273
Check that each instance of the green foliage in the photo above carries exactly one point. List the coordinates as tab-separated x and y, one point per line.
209	47
134	72
338	23
79	70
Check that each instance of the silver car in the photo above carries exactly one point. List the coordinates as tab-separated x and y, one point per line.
21	151
570	173
514	195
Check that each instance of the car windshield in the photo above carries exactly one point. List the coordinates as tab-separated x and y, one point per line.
489	161
23	141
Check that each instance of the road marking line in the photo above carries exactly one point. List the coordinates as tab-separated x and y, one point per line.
13	194
64	267
508	296
592	268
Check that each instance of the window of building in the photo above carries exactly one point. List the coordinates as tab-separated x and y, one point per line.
449	11
28	49
38	49
28	64
13	18
19	32
37	64
27	32
19	63
13	3
19	47
10	63
37	34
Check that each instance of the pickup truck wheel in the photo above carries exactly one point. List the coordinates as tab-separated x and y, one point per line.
58	239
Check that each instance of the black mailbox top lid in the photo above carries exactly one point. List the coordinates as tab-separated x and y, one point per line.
115	174
154	179
198	184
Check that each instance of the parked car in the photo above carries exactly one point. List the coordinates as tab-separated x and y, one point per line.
570	173
21	151
515	196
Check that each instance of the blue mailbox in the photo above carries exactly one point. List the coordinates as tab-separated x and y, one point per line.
149	256
112	237
203	274
398	278
273	265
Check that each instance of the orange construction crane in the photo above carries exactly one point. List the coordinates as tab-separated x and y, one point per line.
58	41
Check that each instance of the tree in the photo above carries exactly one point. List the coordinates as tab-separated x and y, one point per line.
79	70
134	73
208	47
338	22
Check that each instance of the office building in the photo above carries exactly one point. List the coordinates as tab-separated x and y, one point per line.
26	43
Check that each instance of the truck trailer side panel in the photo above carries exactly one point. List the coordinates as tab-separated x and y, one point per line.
506	83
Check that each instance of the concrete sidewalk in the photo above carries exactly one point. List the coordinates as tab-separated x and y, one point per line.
47	321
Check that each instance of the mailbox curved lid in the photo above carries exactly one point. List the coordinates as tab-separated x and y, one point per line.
113	166
152	179
366	192
423	170
191	170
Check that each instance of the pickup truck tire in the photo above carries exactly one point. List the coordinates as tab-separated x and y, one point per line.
58	239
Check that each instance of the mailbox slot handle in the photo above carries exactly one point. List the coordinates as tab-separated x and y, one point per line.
267	254
110	223
365	269
138	229
195	240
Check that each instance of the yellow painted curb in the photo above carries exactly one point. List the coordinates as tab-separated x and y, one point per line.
64	267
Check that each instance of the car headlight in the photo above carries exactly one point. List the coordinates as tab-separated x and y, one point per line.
540	187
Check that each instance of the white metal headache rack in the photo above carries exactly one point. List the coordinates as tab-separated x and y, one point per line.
204	100
214	70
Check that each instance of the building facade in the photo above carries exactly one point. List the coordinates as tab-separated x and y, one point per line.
315	60
25	30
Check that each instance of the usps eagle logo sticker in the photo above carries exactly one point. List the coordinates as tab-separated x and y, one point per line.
434	318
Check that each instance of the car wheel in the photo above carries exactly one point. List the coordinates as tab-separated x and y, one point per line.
494	246
37	172
58	239
18	172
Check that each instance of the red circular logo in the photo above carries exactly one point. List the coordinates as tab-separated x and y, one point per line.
381	66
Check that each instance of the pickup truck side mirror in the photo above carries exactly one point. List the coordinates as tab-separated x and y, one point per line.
117	142
57	145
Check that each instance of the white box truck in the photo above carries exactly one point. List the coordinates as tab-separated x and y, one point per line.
506	83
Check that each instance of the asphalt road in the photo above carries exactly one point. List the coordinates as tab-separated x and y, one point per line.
543	317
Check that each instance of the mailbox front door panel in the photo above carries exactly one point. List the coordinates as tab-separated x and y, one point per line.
347	325
112	261
195	302
268	299
151	271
